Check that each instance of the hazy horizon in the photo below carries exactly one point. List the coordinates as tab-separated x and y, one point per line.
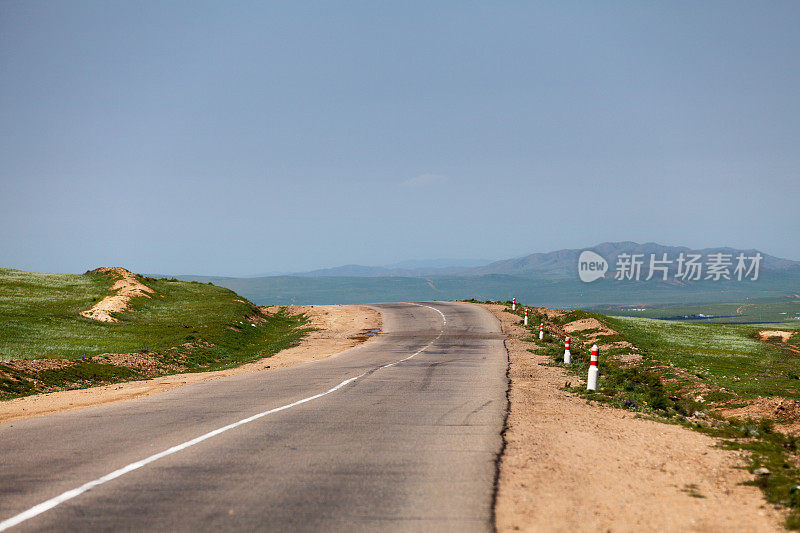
248	138
433	263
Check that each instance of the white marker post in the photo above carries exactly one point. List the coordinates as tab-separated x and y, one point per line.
591	381
567	355
513	304
526	317
541	331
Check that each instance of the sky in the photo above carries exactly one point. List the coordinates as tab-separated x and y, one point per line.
235	138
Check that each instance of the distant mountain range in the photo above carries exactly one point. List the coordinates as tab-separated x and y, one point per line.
405	269
548	279
551	265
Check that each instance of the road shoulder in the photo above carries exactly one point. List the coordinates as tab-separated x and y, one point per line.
573	466
338	328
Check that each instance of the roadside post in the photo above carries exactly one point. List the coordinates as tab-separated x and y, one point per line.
526	316
591	381
541	331
513	304
567	355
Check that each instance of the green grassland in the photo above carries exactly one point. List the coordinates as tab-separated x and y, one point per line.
188	325
779	311
688	373
726	356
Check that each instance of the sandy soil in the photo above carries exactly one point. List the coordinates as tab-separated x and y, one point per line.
588	323
766	334
342	327
597	337
550	313
339	327
573	466
784	411
125	288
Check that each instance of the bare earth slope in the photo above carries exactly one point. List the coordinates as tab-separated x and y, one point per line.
571	466
125	288
340	327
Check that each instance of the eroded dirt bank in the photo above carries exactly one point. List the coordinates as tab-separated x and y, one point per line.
124	288
339	327
572	466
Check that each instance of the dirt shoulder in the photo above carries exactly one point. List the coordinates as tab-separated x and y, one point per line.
340	327
573	466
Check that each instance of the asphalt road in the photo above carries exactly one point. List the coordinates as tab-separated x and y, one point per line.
410	446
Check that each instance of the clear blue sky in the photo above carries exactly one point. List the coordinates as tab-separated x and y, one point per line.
234	139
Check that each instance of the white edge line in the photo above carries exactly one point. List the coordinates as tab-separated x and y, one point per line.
70	494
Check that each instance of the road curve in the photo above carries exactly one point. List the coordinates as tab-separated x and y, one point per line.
401	433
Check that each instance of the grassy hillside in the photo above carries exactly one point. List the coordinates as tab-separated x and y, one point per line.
724	357
184	326
784	311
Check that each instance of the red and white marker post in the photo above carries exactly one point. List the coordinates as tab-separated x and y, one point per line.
526	317
594	372
513	304
541	331
567	355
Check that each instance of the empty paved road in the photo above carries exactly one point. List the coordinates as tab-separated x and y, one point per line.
405	447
